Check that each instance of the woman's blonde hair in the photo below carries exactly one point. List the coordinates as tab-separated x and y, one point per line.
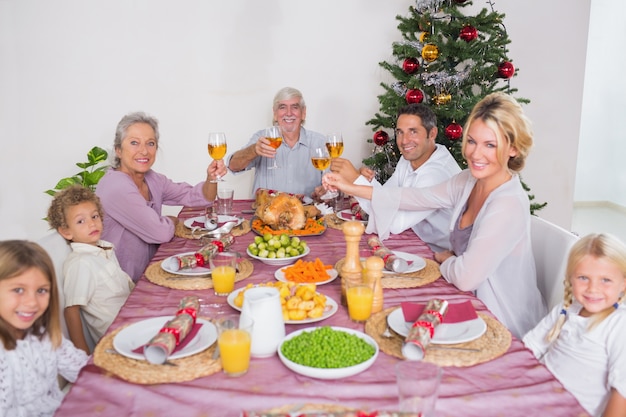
16	257
598	245
504	115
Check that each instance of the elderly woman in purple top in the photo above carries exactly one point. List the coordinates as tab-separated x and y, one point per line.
132	194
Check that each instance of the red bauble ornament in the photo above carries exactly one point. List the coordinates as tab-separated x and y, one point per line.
381	138
454	131
410	65
414	96
468	33
506	70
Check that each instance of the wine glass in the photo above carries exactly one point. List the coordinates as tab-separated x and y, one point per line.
273	135
217	148
334	143
320	158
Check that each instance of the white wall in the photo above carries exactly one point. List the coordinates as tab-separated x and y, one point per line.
601	172
71	69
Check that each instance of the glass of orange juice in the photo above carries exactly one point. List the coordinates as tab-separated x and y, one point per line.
234	336
223	271
360	296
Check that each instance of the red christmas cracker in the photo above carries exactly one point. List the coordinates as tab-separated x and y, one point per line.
392	262
423	330
356	210
173	332
202	256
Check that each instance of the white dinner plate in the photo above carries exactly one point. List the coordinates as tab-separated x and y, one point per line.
198	271
445	334
418	263
221	219
329	373
280	276
331	308
140	333
346	214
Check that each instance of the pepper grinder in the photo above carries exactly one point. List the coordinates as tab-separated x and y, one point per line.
351	268
373	275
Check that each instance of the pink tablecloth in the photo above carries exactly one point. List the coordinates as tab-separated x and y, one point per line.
512	385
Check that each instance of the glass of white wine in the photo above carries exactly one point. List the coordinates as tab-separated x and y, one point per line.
334	144
275	137
217	148
320	158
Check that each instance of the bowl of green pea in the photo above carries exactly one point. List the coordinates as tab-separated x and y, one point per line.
328	352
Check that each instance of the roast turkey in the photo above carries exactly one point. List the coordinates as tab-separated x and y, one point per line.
282	211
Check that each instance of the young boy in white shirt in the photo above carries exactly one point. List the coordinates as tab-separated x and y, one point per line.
94	285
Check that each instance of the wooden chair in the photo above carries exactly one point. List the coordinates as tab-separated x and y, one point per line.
551	245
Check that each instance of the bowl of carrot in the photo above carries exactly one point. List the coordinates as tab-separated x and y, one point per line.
307	272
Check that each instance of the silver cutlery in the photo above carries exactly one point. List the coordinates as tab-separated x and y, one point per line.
115	352
387	334
190	277
438	347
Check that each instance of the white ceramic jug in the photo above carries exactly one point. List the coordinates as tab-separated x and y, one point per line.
262	304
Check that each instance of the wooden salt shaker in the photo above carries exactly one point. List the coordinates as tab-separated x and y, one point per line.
351	268
373	274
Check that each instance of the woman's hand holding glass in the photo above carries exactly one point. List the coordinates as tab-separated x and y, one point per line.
217	149
320	158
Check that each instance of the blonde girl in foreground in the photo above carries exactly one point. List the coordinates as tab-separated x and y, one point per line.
33	351
581	341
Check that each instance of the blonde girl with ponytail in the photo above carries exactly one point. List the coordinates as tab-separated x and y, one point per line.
581	341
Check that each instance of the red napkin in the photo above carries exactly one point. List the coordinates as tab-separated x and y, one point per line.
192	333
456	313
197	224
346	215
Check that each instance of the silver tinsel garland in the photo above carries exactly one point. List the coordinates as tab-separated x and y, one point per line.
399	88
429	5
413	44
442	79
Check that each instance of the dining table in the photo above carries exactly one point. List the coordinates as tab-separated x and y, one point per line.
511	383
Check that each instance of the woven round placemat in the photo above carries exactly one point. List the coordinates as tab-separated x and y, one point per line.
184	232
430	273
333	221
158	276
493	343
143	372
242	229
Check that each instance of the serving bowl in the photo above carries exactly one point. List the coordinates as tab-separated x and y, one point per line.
329	373
279	261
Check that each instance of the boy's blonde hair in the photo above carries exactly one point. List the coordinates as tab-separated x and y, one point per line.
66	198
16	257
598	245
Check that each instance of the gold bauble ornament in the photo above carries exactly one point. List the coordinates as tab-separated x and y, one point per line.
442	98
424	36
430	52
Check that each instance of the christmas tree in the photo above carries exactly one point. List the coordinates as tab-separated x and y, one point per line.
447	59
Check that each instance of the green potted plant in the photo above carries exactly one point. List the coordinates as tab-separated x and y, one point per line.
92	171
